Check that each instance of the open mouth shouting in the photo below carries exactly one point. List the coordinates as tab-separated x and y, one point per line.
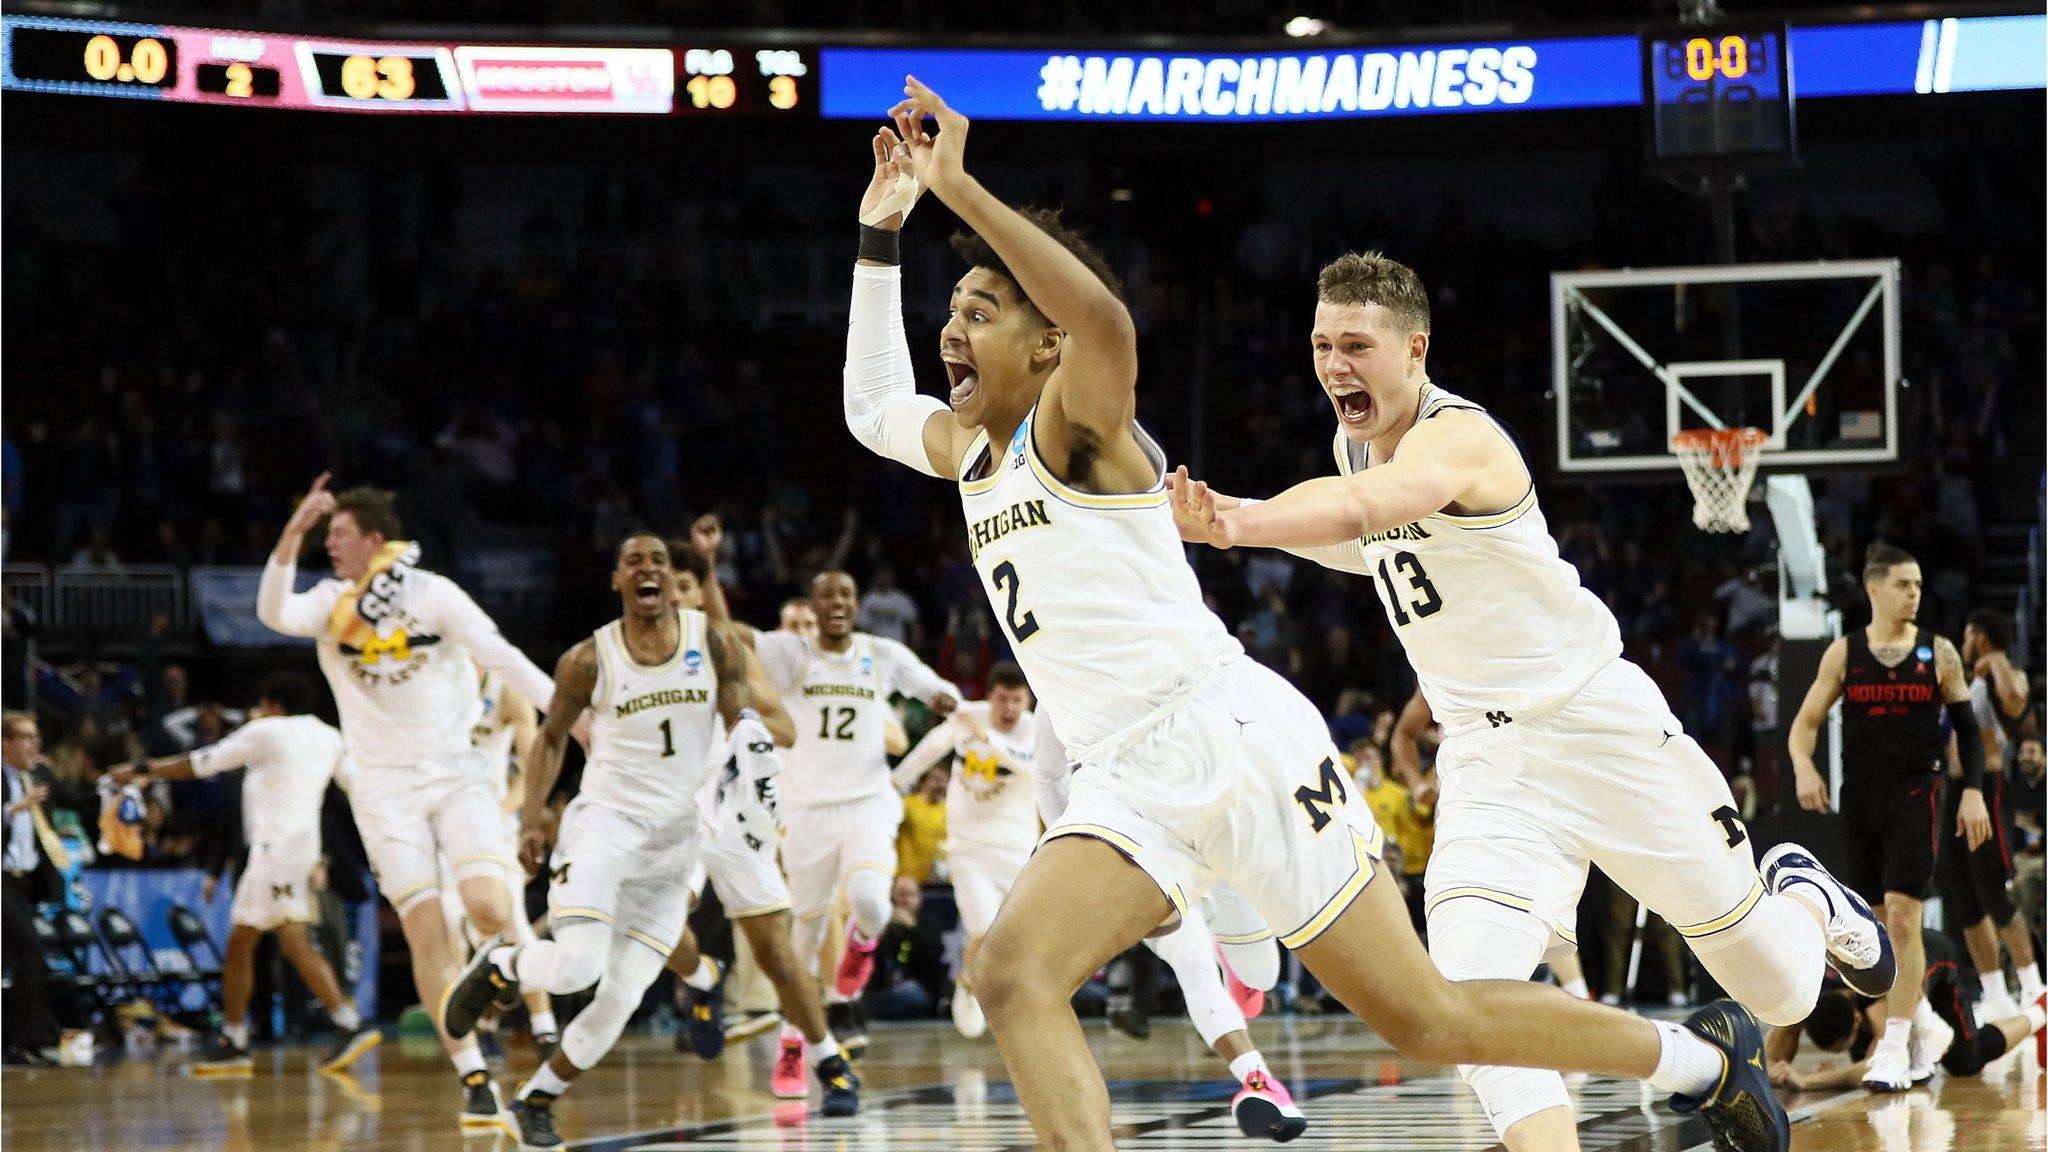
1353	403
647	593
961	374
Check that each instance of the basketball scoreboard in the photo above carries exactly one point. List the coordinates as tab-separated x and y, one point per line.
216	66
1722	92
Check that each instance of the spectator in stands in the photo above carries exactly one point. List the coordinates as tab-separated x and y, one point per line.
29	879
887	611
2029	799
919	839
1713	675
910	962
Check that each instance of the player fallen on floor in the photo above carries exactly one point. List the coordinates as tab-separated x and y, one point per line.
1945	1030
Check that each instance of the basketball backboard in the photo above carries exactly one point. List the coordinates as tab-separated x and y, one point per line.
1809	353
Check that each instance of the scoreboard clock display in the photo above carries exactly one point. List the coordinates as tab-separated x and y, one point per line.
379	76
117	61
1718	96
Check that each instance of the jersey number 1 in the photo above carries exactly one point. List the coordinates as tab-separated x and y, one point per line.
668	739
1021	628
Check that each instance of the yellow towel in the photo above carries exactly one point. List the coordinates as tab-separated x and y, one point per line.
353	622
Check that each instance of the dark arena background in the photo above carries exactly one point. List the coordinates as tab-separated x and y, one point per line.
556	272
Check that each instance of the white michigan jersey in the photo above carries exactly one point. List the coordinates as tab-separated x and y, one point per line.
1494	621
652	729
989	794
839	702
493	734
1095	591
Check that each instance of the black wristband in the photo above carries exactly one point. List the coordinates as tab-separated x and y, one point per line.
882	245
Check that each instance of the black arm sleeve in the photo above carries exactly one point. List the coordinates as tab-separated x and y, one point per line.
1969	743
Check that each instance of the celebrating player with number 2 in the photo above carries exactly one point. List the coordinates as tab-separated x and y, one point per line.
1196	763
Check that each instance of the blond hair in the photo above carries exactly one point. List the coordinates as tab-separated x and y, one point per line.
1375	278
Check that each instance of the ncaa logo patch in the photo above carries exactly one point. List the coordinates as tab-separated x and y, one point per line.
1923	653
867	665
693	660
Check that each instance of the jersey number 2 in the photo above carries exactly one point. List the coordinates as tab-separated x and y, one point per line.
1021	628
1426	601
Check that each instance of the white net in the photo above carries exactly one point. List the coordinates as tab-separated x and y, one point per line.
1720	464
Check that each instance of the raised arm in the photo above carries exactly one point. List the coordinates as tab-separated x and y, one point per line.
2008	684
280	608
936	746
1093	393
1805	731
575	680
878	389
707	535
1454	458
743	686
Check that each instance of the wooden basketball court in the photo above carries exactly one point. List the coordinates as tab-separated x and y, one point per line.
928	1090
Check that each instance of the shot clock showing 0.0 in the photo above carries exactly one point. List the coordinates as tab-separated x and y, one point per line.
755	81
1718	97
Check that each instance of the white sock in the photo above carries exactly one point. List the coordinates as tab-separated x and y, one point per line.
468	1059
544	1080
2030	982
543	1023
1577	987
2036	1018
789	1032
824	1050
832	995
705	978
237	1034
1250	1062
346	1018
1924	1016
1897	1032
1687	1064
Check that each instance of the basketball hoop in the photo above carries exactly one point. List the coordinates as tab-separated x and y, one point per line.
1719	464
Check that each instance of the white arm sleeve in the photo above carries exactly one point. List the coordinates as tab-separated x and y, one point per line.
246	747
883	409
936	745
904	672
289	612
459	618
1348	556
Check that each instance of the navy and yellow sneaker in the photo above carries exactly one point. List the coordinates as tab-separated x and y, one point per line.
842	1087
480	986
350	1048
1859	948
220	1056
533	1117
482	1107
1741	1110
704	1017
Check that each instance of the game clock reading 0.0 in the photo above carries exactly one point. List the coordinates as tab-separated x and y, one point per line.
97	61
1718	96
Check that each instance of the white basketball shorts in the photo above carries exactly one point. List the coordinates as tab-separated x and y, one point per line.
409	818
624	870
277	885
824	843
